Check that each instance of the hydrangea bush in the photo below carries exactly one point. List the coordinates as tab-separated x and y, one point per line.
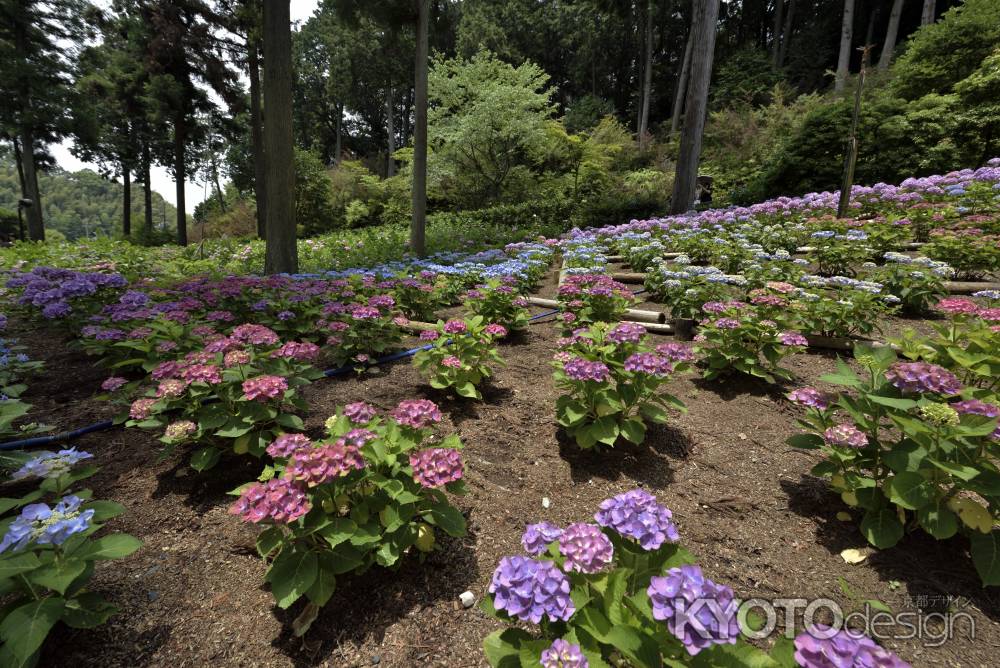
933	467
498	301
460	355
47	554
370	493
588	298
736	336
610	378
235	394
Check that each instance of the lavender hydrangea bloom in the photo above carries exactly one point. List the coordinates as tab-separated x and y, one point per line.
529	590
648	363
819	648
581	369
360	412
636	514
537	537
586	548
627	332
810	397
42	525
562	654
845	435
920	377
50	464
698	612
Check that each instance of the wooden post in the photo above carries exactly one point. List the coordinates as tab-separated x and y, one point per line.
851	159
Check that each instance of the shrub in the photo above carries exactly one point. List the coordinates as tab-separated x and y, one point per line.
609	378
738	337
461	354
498	301
589	298
364	496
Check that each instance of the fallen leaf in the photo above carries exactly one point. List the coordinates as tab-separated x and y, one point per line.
853	556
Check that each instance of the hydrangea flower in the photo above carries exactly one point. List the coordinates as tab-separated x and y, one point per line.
235	358
637	515
495	329
286	444
50	464
920	377
845	435
452	362
297	350
264	388
792	339
141	408
360	412
626	332
436	467
113	383
648	363
429	335
675	352
315	466
42	525
810	397
530	590
698	612
536	537
957	306
256	335
586	548
562	654
279	499
416	413
455	327
818	648
203	373
180	430
585	370
171	387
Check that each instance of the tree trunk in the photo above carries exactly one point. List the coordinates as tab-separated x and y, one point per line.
126	201
890	35
256	138
647	77
390	131
682	79
218	187
340	123
786	34
930	12
147	190
418	224
779	10
281	252
846	37
20	167
703	28
36	226
180	175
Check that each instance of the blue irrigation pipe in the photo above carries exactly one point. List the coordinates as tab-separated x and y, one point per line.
108	424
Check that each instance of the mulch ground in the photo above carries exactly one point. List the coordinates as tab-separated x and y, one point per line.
744	502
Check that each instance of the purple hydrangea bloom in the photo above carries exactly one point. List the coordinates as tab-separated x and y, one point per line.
286	444
586	548
416	413
809	396
581	369
50	464
562	654
676	352
698	612
819	647
537	537
919	377
977	407
845	435
727	323
792	339
530	590
455	327
648	363
360	412
436	467
627	332
42	525
636	514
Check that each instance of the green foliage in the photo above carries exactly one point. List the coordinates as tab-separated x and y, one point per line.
746	77
313	193
586	112
461	356
979	95
486	127
944	53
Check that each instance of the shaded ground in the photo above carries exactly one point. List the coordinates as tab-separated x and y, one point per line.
744	502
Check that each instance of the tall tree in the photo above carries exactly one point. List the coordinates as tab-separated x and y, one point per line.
704	18
36	41
281	254
682	82
647	75
419	221
890	35
929	12
846	38
779	8
786	33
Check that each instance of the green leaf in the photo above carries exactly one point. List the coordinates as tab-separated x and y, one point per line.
19	563
269	540
468	390
892	402
24	629
291	575
104	510
344	559
114	546
289	421
986	556
205	458
654	413
881	528
59	575
326	581
604	430
502	648
937	520
87	611
805	441
910	490
958	470
338	531
448	518
907	455
634	430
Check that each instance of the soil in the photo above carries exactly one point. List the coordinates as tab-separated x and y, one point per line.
744	502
